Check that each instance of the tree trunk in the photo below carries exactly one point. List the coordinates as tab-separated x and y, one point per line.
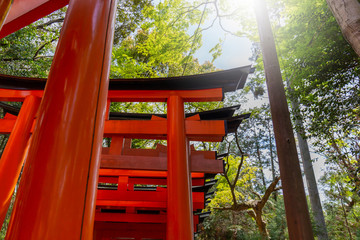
345	214
256	214
309	173
347	14
258	154
297	214
271	157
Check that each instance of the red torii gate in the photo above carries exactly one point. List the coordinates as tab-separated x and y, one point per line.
72	84
144	205
156	128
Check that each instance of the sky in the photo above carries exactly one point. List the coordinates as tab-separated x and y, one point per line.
236	52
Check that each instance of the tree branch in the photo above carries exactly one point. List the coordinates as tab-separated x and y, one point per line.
50	22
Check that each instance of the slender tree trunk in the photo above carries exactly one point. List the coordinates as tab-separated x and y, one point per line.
258	154
309	173
271	157
345	214
347	14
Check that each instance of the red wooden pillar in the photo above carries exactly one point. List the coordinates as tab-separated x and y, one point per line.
13	155
57	193
179	208
4	10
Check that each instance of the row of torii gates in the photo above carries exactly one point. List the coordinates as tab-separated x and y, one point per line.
141	193
73	188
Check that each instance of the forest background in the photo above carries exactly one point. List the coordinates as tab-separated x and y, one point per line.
319	68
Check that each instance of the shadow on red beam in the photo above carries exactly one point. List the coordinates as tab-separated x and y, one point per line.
147	196
197	164
140	173
130	217
148	181
207	95
142	204
129	230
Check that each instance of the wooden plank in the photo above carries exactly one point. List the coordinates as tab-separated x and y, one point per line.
142	204
197	164
152	129
131	218
148	180
140	173
208	95
146	196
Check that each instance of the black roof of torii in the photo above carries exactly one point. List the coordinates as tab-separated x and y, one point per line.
229	80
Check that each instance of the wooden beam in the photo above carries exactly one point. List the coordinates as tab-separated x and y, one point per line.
148	180
197	205
152	129
145	196
135	231
207	95
131	218
197	164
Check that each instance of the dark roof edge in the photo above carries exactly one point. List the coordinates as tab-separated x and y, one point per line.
229	80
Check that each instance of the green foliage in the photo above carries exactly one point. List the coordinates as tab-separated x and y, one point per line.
7	218
228	225
159	48
341	205
277	221
243	187
29	51
323	71
160	44
129	15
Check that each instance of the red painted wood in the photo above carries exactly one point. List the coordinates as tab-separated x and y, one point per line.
129	230
197	164
12	158
139	173
212	131
56	197
207	95
148	180
116	147
133	218
197	205
179	210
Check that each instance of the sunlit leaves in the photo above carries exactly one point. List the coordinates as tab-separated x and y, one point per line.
243	188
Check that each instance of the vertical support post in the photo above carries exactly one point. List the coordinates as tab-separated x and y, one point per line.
297	213
13	156
4	10
57	193
179	208
107	113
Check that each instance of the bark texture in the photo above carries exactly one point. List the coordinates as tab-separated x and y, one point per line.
309	175
347	14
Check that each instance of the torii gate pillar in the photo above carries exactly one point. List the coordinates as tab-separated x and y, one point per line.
179	209
57	193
